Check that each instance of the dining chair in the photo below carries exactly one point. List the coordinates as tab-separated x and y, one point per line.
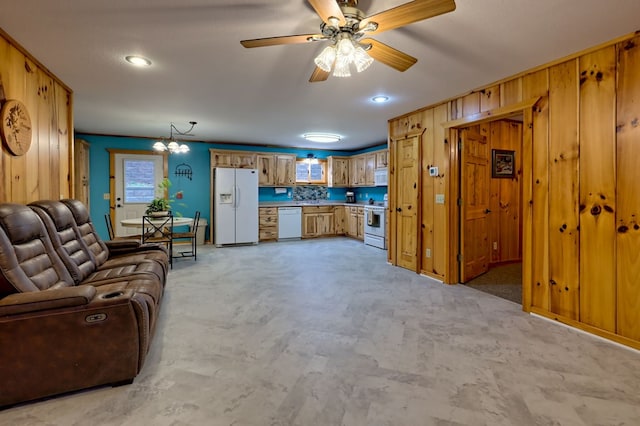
159	229
191	235
107	218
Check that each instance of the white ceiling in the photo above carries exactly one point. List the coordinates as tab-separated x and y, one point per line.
201	72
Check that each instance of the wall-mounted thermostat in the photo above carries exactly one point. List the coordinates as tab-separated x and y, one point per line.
433	171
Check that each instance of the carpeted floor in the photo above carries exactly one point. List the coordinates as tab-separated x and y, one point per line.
504	281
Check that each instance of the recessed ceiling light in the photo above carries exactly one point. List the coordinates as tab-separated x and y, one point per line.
380	99
321	137
138	61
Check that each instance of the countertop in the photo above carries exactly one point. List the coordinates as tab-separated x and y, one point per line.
315	203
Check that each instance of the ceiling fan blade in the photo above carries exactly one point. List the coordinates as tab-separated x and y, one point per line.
388	55
328	8
318	75
408	13
274	41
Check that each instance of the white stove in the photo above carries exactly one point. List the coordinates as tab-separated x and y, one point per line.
374	226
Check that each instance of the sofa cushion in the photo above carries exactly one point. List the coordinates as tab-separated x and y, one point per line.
59	223
28	261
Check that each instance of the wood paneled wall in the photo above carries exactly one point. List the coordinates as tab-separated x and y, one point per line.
44	172
580	198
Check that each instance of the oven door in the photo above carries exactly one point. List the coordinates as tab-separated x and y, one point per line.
374	222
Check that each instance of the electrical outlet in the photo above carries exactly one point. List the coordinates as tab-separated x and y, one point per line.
495	245
428	253
439	198
106	196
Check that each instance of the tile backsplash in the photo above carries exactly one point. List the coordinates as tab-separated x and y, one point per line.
302	193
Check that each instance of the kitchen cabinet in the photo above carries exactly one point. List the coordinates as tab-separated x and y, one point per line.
340	219
285	170
338	173
266	169
357	170
317	221
381	159
268	223
355	221
369	169
233	159
276	170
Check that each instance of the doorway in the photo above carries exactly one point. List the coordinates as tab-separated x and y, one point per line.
135	176
491	207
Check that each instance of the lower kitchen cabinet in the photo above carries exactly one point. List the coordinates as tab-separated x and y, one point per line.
268	223
340	219
317	221
355	222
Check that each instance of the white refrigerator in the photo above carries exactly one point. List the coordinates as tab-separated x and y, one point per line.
235	206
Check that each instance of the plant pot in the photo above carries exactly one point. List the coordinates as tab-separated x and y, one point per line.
163	213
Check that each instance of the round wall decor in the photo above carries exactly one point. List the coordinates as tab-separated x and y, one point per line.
15	127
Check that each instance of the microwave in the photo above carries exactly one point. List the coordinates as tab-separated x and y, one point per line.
380	177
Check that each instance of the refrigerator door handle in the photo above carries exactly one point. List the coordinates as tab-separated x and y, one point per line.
237	189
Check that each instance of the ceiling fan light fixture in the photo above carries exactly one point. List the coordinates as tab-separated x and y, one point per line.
326	58
341	68
322	137
361	59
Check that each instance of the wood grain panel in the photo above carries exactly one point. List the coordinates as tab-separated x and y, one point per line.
471	104
490	98
511	92
440	252
427	196
563	189
537	84
597	189
628	198
44	171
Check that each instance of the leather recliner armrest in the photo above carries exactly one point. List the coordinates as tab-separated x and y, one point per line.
20	303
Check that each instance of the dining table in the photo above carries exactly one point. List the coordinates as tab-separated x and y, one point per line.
137	222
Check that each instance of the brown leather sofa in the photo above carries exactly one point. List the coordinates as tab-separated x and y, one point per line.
73	314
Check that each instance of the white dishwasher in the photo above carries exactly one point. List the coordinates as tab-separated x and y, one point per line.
289	223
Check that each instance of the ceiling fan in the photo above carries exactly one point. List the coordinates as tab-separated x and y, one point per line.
346	27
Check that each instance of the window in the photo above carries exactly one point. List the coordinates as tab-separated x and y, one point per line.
139	181
311	171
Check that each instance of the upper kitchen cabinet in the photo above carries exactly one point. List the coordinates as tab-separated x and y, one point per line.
338	174
381	159
233	159
266	169
276	169
285	169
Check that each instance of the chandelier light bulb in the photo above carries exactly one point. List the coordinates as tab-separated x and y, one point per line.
326	58
361	59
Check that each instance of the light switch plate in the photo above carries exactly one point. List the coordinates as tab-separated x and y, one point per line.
439	198
106	196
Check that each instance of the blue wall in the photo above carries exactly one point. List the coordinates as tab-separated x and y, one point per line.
196	192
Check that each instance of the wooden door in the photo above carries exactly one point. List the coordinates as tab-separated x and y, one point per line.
475	205
407	171
81	176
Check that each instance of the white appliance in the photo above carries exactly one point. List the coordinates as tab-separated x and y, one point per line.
374	226
235	206
380	177
289	223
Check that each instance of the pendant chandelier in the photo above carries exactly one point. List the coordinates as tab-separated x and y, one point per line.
172	145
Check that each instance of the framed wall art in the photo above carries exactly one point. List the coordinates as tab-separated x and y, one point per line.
503	163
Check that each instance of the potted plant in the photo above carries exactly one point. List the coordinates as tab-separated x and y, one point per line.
160	205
